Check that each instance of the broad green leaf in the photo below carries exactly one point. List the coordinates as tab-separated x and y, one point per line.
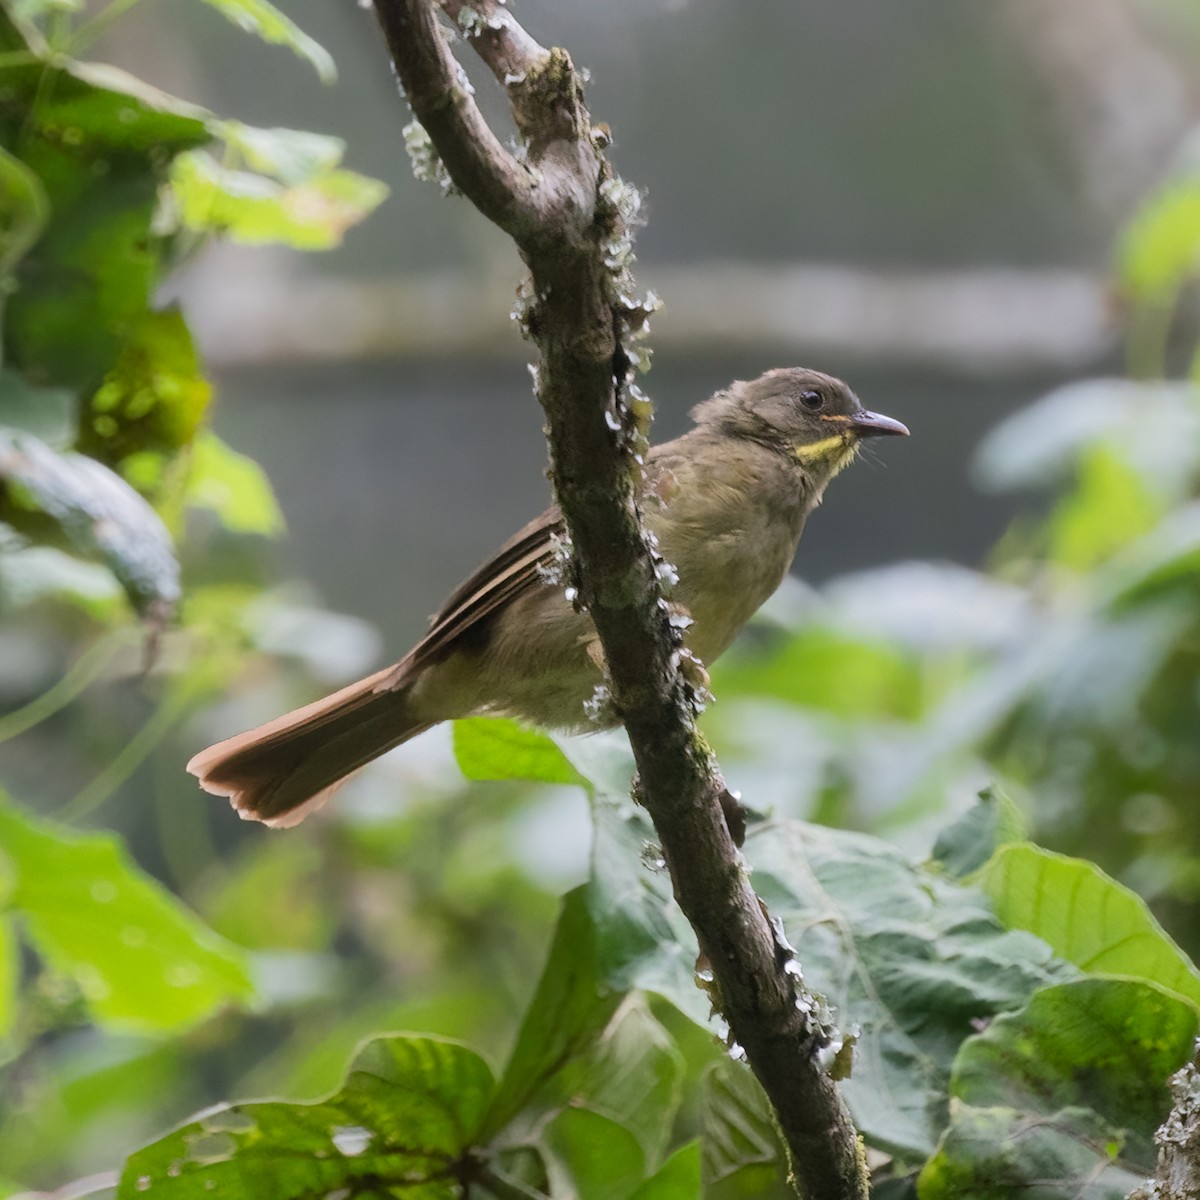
24	211
1062	1098
569	1009
677	1179
1161	246
642	939
151	401
312	215
140	959
495	748
1109	508
233	486
402	1124
913	958
741	1154
632	1074
292	156
264	20
968	843
100	515
591	1157
1085	917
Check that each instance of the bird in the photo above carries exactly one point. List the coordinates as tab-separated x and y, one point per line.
727	502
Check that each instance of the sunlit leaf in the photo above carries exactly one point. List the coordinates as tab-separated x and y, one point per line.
267	22
154	397
1161	246
496	748
140	959
100	515
1109	507
292	156
1062	1098
233	486
401	1124
312	215
1085	917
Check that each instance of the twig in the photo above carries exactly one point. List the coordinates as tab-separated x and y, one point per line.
570	219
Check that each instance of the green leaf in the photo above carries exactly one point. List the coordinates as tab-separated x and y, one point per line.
914	958
591	1157
569	1009
1109	508
632	1075
10	977
677	1179
233	486
267	22
311	215
292	156
1085	917
1161	246
24	211
642	939
1062	1098
488	748
968	843
741	1152
402	1124
100	515
141	960
152	399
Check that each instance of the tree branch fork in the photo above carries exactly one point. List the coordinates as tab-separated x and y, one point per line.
571	219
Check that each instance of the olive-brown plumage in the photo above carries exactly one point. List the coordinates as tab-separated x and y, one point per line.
727	502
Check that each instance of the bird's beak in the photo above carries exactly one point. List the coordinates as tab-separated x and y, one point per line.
869	424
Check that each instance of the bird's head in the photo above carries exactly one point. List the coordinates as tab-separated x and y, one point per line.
814	418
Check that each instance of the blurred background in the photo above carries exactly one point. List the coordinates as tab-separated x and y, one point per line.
961	209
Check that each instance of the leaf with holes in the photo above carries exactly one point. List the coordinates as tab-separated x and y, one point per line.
403	1123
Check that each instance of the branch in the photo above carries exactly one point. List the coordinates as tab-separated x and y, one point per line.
570	218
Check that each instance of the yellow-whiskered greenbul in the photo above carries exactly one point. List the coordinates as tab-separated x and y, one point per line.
727	502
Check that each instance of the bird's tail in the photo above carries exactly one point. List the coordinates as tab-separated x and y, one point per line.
282	771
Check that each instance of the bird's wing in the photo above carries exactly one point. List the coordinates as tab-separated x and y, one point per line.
517	567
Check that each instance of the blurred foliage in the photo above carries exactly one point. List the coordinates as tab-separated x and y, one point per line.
990	993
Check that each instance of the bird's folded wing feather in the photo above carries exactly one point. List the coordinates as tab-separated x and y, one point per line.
517	567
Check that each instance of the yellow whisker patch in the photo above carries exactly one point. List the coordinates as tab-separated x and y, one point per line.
824	448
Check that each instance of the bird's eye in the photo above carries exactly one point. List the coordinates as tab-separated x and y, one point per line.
813	401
